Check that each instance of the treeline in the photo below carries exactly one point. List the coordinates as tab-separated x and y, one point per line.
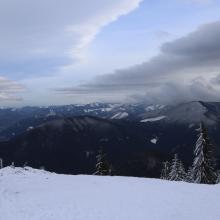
203	169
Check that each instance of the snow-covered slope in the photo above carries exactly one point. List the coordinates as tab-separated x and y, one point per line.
120	115
28	194
154	119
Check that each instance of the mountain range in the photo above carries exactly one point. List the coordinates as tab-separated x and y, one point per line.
136	138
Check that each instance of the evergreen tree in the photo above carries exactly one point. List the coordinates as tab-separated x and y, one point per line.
111	170
1	163
165	170
12	164
218	177
177	172
204	162
102	167
189	175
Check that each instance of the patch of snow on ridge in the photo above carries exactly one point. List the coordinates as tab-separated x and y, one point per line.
154	140
106	109
30	128
154	119
98	109
51	113
154	107
150	108
191	125
120	115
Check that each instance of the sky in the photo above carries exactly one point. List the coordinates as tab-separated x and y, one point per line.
55	52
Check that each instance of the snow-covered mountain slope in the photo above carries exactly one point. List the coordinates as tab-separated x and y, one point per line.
120	115
193	112
153	119
15	121
28	194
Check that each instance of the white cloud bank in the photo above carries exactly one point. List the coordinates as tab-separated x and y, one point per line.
185	69
40	36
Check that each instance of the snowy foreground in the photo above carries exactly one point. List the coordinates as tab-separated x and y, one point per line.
29	194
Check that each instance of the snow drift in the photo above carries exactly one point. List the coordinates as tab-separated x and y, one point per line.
29	194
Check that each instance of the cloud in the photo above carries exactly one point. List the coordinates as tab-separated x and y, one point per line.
9	90
216	80
41	36
203	2
183	70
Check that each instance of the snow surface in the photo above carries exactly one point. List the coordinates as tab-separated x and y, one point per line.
120	115
154	107
98	109
30	128
154	119
51	113
154	140
29	194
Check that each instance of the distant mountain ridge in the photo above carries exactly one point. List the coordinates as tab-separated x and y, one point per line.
14	121
136	142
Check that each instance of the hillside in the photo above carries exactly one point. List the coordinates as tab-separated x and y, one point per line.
70	146
30	194
136	145
14	121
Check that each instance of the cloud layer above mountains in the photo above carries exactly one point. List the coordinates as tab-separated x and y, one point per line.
45	44
185	69
38	38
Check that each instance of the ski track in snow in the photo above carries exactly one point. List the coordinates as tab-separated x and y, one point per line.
38	195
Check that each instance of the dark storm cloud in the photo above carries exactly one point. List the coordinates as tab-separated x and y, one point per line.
182	70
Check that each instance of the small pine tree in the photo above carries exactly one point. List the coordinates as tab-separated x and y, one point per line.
218	177
1	163
204	162
102	167
177	172
111	170
165	171
189	175
12	164
182	171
